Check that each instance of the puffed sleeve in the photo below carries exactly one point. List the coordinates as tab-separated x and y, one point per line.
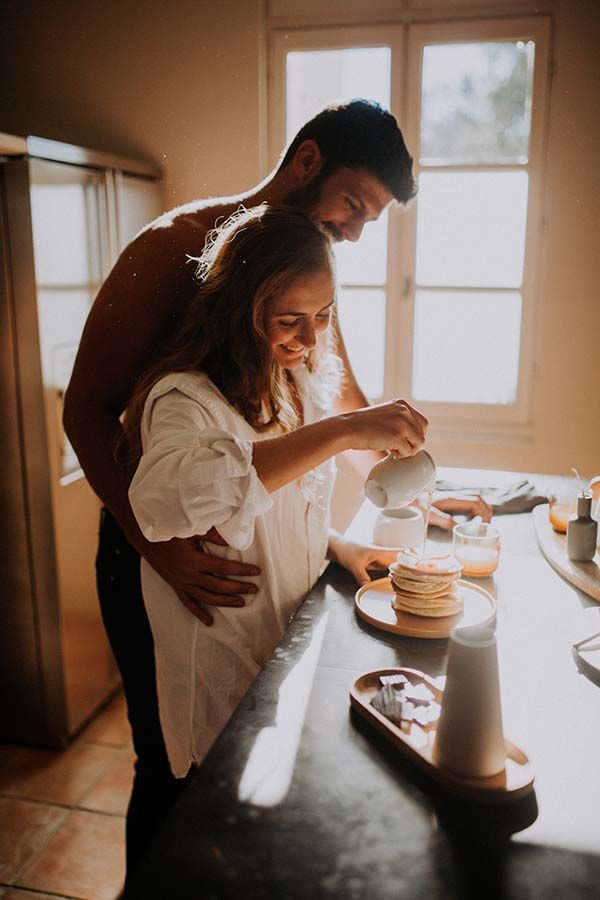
194	475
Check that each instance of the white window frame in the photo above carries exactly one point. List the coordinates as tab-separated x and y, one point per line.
462	421
465	420
392	36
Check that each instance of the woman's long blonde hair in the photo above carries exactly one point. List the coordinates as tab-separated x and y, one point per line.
245	264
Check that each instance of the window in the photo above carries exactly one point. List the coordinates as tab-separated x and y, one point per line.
474	116
313	80
437	304
68	206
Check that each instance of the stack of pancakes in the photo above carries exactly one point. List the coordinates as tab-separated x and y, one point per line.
426	586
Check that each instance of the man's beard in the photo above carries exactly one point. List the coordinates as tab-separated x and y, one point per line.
307	199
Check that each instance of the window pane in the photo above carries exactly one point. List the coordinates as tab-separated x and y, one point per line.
476	103
364	262
466	346
314	80
317	78
67	220
471	228
362	321
59	215
61	317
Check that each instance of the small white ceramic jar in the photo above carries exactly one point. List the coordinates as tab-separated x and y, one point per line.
399	527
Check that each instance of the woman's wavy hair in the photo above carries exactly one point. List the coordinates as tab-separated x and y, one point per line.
246	262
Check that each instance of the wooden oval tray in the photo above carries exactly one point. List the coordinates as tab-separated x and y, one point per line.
416	744
584	575
373	604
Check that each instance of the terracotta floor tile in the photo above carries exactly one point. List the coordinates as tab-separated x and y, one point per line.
85	859
110	726
111	794
24	829
55	776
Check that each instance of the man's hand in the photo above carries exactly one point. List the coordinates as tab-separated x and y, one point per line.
446	505
198	578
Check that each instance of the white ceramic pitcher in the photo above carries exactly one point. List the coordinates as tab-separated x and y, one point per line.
396	482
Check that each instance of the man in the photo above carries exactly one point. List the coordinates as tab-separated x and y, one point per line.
344	168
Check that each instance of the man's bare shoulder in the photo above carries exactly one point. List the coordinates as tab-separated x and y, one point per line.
164	249
192	220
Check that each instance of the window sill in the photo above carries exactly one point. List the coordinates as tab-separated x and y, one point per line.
489	433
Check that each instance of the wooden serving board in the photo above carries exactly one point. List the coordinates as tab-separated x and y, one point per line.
373	603
416	744
584	575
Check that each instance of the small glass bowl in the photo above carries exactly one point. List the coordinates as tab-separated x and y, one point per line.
562	504
477	551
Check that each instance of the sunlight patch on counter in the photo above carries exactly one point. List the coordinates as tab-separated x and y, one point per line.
268	772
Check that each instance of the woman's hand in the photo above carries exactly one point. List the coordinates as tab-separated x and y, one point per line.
359	558
396	426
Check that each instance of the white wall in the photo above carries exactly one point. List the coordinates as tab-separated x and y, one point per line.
177	82
567	391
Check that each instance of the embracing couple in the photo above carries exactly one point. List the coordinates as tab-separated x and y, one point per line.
237	394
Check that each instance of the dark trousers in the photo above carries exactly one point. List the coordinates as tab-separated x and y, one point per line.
119	589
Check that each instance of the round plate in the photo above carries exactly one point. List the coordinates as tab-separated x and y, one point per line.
373	603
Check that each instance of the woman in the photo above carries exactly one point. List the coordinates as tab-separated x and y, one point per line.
235	440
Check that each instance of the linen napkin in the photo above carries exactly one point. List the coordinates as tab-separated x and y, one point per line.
516	498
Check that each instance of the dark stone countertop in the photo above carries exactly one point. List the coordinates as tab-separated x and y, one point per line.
300	799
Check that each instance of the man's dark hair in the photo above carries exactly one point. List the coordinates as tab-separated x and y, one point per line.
360	135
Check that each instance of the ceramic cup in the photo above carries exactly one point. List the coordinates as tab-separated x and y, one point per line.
401	527
397	482
469	739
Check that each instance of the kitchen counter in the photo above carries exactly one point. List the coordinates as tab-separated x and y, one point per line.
301	799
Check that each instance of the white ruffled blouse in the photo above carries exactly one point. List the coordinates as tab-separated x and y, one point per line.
196	472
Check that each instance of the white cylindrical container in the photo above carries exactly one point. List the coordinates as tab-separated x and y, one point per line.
396	482
401	527
470	738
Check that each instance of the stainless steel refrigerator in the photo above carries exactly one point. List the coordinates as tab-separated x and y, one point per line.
65	214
